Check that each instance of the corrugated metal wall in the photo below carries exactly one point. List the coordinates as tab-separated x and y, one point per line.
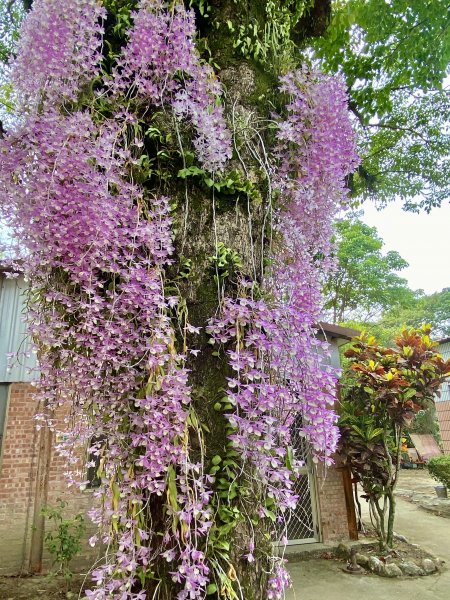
13	338
444	349
443	404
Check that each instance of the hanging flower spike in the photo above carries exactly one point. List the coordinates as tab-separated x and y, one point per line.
282	383
58	52
161	64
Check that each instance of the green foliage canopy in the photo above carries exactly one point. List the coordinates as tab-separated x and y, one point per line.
11	14
432	308
394	56
365	282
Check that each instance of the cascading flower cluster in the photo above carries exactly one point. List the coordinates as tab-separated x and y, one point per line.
277	377
98	246
280	365
59	50
276	342
160	64
316	153
96	268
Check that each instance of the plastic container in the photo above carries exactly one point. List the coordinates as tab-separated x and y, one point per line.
441	491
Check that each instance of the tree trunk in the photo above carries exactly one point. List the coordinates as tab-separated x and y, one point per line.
391	496
391	517
239	224
380	521
209	371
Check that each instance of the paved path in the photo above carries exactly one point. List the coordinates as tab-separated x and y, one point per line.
324	579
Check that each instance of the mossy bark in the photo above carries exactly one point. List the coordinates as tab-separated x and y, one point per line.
203	220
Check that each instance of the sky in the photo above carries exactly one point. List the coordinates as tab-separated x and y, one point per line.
422	239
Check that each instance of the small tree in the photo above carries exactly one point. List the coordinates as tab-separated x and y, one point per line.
63	541
383	389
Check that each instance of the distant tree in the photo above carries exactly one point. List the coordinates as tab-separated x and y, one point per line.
365	282
432	308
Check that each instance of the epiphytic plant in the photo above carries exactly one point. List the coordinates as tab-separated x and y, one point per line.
114	102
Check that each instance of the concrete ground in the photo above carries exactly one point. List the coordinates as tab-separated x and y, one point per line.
418	487
319	579
417	481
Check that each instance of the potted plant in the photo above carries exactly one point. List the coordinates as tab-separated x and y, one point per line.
439	469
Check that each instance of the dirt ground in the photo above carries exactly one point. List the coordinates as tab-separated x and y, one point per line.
40	588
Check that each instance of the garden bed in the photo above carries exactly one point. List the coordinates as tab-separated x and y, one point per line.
405	560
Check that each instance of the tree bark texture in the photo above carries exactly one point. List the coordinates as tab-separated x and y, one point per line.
239	224
204	219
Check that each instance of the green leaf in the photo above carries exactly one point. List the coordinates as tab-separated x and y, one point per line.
222	545
211	589
190	171
172	489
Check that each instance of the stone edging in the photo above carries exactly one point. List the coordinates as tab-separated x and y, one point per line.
426	566
428	502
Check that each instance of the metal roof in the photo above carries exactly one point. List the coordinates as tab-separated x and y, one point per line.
336	331
13	338
425	444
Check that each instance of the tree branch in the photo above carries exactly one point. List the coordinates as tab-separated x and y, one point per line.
314	22
398	128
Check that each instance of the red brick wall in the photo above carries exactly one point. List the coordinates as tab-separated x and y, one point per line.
18	465
443	413
333	510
